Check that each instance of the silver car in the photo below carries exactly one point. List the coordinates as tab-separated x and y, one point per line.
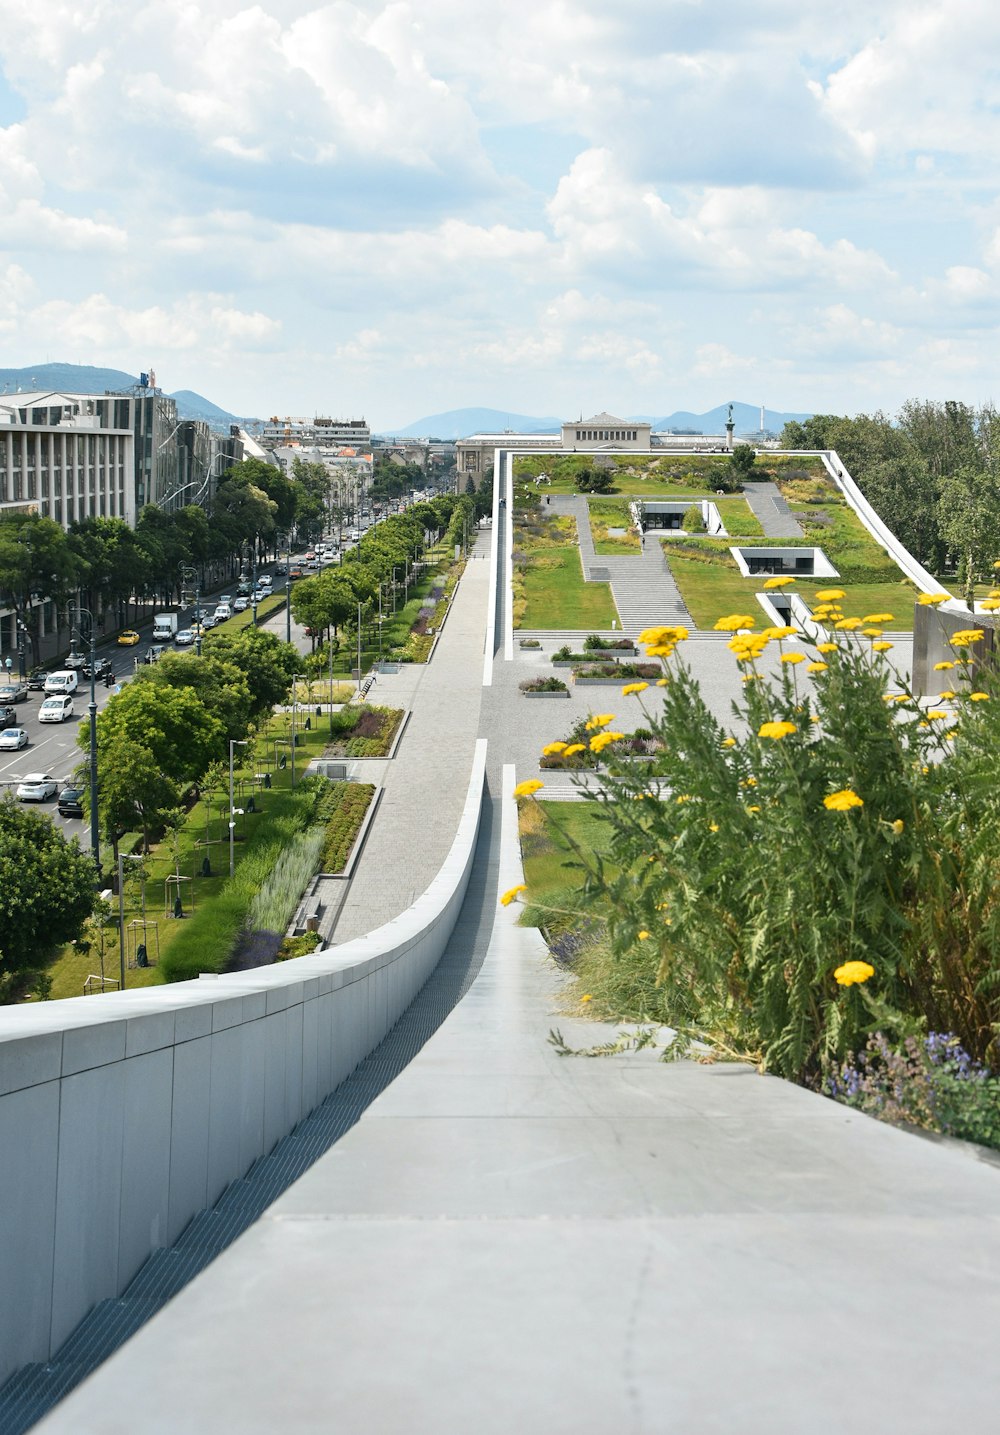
37	787
12	739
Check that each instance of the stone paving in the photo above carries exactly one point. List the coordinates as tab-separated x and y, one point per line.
772	511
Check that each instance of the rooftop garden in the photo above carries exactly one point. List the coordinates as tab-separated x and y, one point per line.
548	581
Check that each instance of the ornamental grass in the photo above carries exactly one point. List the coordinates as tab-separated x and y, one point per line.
831	831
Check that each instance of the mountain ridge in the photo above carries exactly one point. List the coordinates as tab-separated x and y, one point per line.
463	423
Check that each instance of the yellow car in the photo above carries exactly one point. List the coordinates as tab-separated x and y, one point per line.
128	639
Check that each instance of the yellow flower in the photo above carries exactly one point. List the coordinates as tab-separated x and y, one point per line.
793	658
662	682
728	742
931	600
600	720
979	697
881	647
946	694
898	826
713	827
990	605
512	894
553	749
586	997
778	583
526	789
938	713
871	632
684	797
826	647
734	622
848	625
817	667
631	688
664	634
877	618
643	936
776	730
853	972
573	749
830	595
780	633
842	801
603	739
943	667
966	637
753	809
750	782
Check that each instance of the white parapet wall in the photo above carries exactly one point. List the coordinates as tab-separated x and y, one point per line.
123	1115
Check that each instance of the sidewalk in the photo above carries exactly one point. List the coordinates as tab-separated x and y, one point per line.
425	783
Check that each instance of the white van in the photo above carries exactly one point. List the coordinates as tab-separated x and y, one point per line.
222	612
62	682
56	709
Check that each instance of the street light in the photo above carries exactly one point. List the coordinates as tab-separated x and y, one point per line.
123	857
191	574
295	703
95	825
233	742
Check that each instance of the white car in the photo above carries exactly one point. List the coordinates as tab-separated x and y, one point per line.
12	739
56	709
184	638
241	605
264	582
37	787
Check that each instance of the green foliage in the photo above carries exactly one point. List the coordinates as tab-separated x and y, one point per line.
543	685
351	801
596	480
46	893
742	461
752	893
172	723
363	731
274	904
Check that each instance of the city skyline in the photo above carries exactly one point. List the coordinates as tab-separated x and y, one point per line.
381	207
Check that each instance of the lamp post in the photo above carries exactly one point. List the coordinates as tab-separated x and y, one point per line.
359	644
123	857
295	702
288	587
95	825
233	742
191	574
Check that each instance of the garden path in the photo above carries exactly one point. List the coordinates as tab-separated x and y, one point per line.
643	586
772	511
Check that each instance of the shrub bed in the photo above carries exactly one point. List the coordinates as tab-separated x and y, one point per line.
543	685
352	802
624	671
363	731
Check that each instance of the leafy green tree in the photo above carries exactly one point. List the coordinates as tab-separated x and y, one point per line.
892	473
969	517
271	481
46	893
36	562
810	433
742	461
265	660
173	723
222	687
135	794
595	480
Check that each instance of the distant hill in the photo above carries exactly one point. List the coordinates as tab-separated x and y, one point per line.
460	423
85	379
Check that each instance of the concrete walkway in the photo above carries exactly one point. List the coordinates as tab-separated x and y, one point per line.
772	511
643	587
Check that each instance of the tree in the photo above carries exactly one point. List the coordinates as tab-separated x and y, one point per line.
135	794
222	687
46	893
969	517
173	723
810	433
267	662
595	480
36	561
741	461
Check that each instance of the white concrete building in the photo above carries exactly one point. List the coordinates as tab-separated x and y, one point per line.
69	456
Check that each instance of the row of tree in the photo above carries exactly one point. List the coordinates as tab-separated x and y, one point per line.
932	474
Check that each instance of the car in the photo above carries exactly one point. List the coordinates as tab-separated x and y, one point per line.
184	638
241	605
70	802
36	679
226	601
295	572
242	589
310	555
258	595
37	787
128	638
12	739
15	690
8	716
209	621
103	668
280	569
57	709
75	660
264	582
154	652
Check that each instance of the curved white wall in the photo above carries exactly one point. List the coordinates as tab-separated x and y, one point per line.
123	1115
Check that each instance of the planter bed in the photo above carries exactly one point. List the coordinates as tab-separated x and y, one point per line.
558	693
616	673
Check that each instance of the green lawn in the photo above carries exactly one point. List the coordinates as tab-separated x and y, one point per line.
205	832
738	517
711	591
556	596
545	853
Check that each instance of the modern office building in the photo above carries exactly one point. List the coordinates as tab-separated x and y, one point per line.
69	456
326	432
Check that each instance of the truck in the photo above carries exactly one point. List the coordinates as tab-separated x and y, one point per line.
164	627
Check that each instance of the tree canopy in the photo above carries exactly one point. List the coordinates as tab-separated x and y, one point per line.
46	891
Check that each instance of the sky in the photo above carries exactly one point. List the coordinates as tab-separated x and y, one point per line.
542	206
